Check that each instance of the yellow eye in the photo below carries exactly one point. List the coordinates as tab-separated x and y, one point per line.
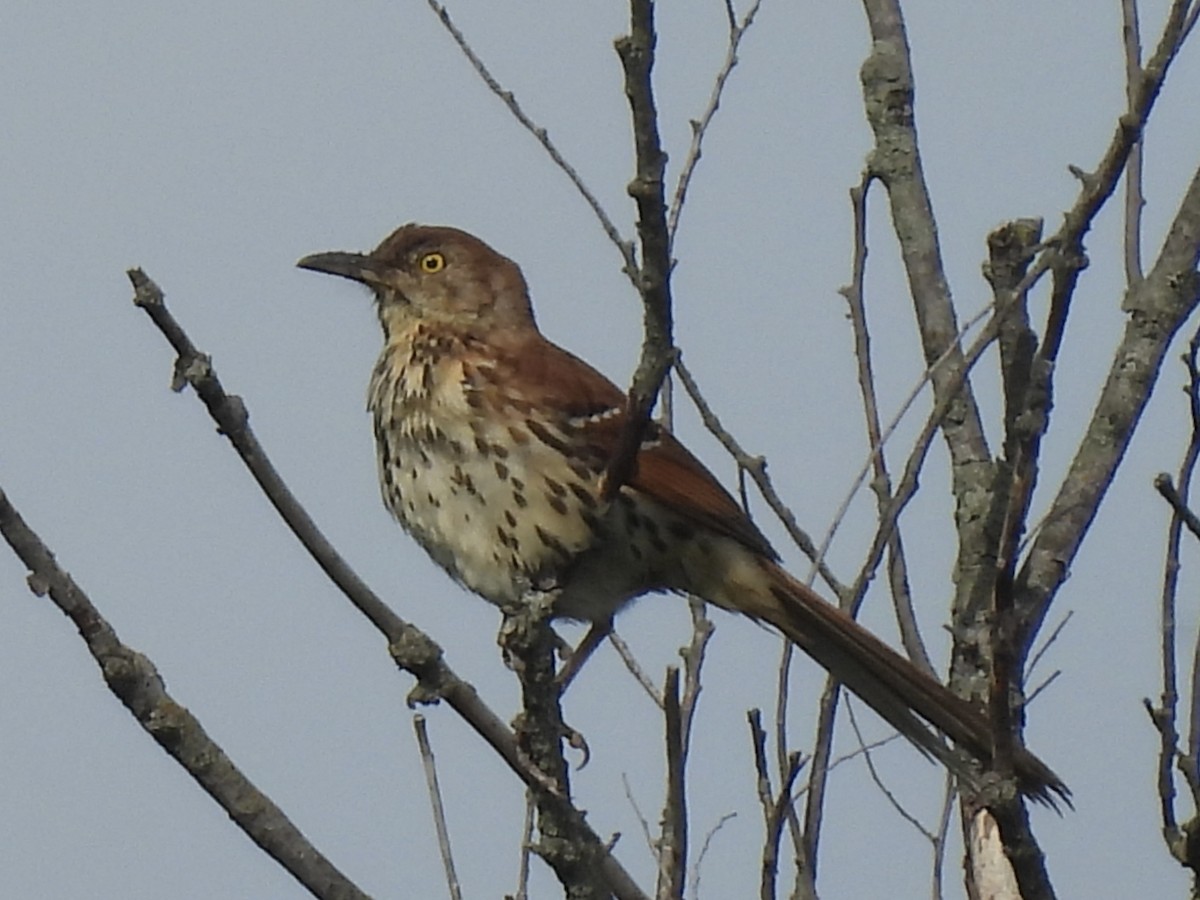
431	263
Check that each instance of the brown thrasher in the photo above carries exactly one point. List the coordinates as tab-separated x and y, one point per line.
491	445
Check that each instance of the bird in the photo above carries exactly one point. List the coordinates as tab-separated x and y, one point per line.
492	445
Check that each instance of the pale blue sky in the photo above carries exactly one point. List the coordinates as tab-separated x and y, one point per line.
215	144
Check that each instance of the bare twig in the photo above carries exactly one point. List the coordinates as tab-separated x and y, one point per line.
1031	667
1050	679
906	489
694	881
700	126
526	848
1158	309
774	806
133	678
910	634
693	663
1165	715
1097	186
624	247
941	408
435	802
939	845
756	466
878	779
1166	489
637	811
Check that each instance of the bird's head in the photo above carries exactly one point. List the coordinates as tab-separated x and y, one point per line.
438	274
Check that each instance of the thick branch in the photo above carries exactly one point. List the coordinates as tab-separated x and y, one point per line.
888	93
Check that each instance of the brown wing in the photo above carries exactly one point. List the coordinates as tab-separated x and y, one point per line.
553	378
668	472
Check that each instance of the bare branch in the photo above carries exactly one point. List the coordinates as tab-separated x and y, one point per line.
1135	202
888	96
672	841
1026	382
1031	667
1097	186
637	811
1165	715
906	489
653	280
1158	306
694	881
133	678
1166	489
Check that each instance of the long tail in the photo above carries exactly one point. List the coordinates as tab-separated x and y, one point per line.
892	686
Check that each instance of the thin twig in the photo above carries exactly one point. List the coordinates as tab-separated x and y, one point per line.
435	801
774	806
902	601
1098	185
878	779
1166	489
625	652
940	410
694	881
693	656
624	247
522	892
906	489
756	467
637	811
1032	695
1046	645
700	126
1165	715
939	845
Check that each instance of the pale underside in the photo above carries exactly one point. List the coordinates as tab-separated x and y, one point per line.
508	504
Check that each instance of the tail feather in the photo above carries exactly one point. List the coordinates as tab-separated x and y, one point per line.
896	689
